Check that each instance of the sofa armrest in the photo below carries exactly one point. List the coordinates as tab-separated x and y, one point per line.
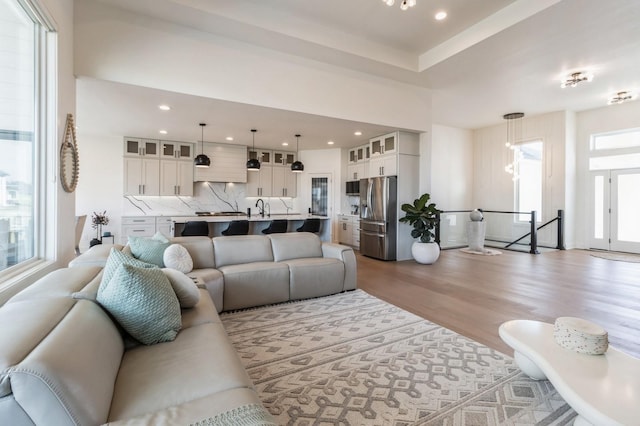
346	255
95	256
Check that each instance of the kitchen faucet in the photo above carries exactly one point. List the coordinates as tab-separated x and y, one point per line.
261	208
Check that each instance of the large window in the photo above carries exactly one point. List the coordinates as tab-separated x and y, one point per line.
528	185
23	44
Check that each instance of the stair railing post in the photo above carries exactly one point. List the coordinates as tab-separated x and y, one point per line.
534	234
560	245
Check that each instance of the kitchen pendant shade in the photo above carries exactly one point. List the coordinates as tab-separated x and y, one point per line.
297	166
202	161
253	164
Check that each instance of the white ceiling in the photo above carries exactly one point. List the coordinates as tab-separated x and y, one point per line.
489	57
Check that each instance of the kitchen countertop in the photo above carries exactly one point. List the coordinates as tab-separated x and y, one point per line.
253	218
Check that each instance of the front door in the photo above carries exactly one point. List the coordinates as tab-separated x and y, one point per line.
615	223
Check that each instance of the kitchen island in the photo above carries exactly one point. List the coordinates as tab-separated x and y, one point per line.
257	223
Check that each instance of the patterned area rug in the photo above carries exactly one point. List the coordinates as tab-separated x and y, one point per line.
352	359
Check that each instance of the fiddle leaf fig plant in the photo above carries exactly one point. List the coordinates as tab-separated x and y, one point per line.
423	216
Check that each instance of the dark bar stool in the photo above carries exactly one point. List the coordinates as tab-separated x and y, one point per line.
237	227
277	226
310	225
196	228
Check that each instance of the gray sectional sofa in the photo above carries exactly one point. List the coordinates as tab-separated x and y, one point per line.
63	360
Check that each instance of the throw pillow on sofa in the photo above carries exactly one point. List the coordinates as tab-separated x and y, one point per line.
150	250
143	302
115	259
177	257
185	289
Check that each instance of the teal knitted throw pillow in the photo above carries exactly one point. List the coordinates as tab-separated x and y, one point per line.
115	259
150	250
143	302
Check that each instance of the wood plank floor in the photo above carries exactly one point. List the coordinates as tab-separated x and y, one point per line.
472	295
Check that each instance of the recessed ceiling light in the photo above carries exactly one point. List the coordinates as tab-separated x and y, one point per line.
163	132
358	133
330	143
229	138
285	143
441	15
164	107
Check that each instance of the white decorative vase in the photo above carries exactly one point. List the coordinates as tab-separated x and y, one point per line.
425	253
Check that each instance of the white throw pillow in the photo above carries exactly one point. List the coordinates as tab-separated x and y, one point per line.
186	290
177	257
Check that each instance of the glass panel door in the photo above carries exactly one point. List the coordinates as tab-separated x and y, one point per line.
319	195
625	206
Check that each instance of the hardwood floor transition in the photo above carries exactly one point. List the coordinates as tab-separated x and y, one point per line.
472	295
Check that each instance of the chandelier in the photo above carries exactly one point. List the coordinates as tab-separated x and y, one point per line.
514	135
620	97
573	79
404	4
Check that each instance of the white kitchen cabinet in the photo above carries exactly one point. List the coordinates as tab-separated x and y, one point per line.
164	225
177	150
284	158
355	239
357	171
138	147
383	165
228	164
385	144
137	226
176	177
345	231
260	183
141	176
284	182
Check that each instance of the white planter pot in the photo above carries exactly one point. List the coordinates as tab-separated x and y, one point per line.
425	253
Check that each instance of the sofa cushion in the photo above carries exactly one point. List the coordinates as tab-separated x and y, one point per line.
200	362
143	302
95	256
213	281
202	313
295	245
59	283
67	376
177	257
200	249
150	250
234	250
254	284
183	286
314	277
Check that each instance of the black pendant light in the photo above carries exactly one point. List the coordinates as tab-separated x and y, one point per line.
253	165
202	160
297	166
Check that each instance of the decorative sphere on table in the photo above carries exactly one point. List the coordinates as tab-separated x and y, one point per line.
475	215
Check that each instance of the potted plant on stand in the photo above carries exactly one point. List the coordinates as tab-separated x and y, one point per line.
423	216
97	221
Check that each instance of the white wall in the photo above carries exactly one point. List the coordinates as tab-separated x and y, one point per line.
120	46
599	120
451	167
493	187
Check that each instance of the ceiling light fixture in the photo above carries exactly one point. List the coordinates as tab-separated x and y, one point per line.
164	107
202	161
297	166
229	138
253	164
285	143
440	15
514	135
358	133
620	97
573	79
163	132
404	4
330	143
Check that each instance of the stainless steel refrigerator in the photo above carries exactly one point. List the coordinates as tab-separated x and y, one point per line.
378	217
